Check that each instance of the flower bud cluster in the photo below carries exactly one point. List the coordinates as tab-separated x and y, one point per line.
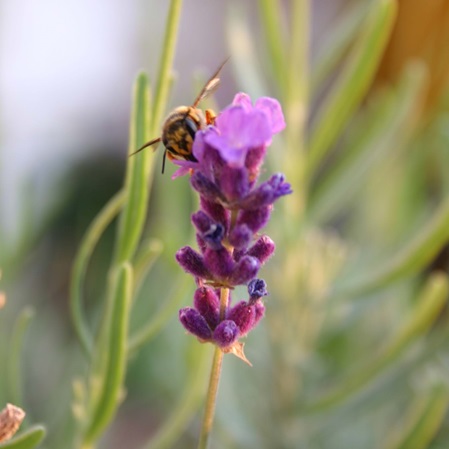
233	209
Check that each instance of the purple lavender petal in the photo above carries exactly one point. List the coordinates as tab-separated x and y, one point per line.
263	249
257	288
195	323
243	315
245	270
244	100
219	262
273	109
233	155
234	183
240	237
255	219
184	167
226	333
240	130
207	303
199	144
192	262
208	157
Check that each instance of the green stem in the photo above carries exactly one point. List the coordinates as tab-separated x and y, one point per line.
86	249
211	399
168	52
15	375
296	102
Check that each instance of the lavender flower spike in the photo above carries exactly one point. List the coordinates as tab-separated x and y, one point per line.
234	207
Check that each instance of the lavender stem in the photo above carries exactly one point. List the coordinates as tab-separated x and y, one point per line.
214	380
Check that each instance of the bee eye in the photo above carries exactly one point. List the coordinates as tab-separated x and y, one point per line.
191	127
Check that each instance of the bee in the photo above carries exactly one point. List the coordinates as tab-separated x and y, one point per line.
180	126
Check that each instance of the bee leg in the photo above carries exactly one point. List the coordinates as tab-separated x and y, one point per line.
210	116
163	161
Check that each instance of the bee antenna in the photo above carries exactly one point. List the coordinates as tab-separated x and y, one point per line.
148	144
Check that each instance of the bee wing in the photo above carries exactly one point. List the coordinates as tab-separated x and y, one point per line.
148	144
208	89
211	86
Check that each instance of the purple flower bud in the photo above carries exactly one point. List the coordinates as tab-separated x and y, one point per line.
257	288
226	333
245	270
219	262
214	236
255	219
206	187
240	237
254	160
243	315
259	311
267	193
207	303
192	262
195	323
216	212
263	249
201	243
201	221
211	233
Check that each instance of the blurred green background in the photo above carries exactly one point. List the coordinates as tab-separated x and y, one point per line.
353	352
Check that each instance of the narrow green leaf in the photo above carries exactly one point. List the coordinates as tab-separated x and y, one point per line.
430	303
419	251
145	258
138	173
352	83
335	43
26	440
295	104
164	78
425	420
385	126
274	30
86	249
15	355
114	372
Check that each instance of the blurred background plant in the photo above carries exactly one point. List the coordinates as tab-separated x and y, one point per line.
353	350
